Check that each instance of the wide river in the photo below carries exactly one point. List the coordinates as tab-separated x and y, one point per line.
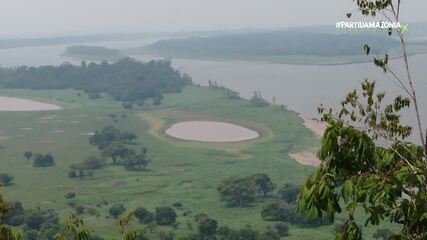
300	87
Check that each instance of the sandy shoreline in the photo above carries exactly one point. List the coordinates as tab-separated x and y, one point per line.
12	104
306	158
315	125
309	158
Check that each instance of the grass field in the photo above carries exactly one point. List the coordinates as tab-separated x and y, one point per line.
179	171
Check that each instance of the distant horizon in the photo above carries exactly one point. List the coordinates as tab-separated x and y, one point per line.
23	18
195	31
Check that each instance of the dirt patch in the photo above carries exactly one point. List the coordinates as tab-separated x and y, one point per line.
314	125
2	138
88	134
177	168
187	184
118	183
306	158
48	117
207	131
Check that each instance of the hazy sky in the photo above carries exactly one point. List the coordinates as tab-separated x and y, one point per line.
58	17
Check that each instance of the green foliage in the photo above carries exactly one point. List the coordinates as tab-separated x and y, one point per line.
110	135
277	211
70	195
5	179
165	216
16	215
158	98
269	234
6	232
125	80
241	191
90	163
282	229
238	191
288	193
207	227
75	229
42	225
272	43
144	216
92	52
28	155
116	210
129	234
135	161
387	181
263	183
116	151
46	160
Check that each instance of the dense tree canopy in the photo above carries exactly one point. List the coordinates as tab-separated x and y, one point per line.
125	80
45	160
110	135
241	191
273	43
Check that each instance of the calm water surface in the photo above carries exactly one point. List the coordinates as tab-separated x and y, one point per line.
300	87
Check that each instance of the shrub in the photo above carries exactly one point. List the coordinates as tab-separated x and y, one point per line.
289	193
43	160
208	227
90	163
72	174
269	234
282	229
277	211
92	211
238	191
144	216
5	179
80	209
117	210
166	235
177	205
70	195
165	216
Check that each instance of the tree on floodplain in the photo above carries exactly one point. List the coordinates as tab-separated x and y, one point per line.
6	179
117	151
264	183
28	155
144	216
165	216
116	210
368	162
41	160
238	192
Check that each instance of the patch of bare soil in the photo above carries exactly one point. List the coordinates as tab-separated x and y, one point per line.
306	158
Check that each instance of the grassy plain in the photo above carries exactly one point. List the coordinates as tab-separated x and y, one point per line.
179	171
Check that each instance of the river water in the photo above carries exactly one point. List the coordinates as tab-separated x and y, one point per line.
300	87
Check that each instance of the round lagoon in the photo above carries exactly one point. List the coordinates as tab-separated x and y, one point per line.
11	104
207	131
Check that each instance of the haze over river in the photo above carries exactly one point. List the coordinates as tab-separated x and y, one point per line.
300	87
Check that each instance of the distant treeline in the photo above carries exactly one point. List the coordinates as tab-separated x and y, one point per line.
93	53
125	80
276	43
